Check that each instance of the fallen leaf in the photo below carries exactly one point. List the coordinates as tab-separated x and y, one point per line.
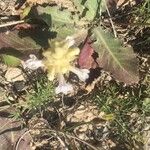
24	42
13	40
14	74
11	133
85	58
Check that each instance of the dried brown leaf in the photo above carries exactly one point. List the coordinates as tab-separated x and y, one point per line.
12	40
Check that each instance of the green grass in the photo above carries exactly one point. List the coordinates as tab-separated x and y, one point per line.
37	99
41	96
126	110
142	12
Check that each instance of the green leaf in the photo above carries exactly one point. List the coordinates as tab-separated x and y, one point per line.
146	105
25	12
108	117
61	17
113	57
79	6
64	31
10	60
92	6
62	21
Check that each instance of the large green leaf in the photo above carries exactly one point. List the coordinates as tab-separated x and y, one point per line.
61	17
90	8
60	21
113	57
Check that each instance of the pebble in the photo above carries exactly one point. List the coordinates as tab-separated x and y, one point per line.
14	74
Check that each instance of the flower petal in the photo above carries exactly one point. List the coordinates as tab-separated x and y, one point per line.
51	74
70	41
72	53
65	88
33	63
82	74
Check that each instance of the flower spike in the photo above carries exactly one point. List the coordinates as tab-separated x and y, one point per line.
58	61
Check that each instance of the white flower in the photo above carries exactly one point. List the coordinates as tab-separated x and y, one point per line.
63	87
70	41
33	63
83	74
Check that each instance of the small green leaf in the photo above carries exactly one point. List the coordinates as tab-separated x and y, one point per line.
109	117
25	12
146	105
92	6
10	60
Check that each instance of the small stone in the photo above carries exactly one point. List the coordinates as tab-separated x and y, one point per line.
14	74
19	86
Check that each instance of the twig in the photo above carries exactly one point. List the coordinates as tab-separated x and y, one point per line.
18	142
110	19
76	138
61	142
71	136
11	23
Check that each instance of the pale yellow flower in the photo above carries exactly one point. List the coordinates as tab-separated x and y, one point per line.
58	60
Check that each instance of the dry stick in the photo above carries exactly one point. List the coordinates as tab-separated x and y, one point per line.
17	145
61	142
11	23
110	19
76	138
94	148
59	132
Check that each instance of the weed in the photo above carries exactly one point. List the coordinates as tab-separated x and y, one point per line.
36	99
128	113
143	12
42	95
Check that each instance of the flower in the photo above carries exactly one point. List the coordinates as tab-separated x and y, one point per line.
63	87
33	63
58	60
